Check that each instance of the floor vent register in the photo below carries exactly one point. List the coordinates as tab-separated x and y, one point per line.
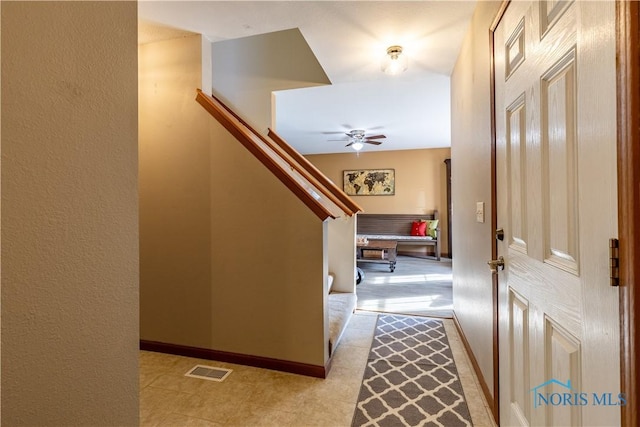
208	373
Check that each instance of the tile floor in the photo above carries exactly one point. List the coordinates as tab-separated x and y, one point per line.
259	397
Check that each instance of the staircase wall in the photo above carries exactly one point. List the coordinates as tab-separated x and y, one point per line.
231	260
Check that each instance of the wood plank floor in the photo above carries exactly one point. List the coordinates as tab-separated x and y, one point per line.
418	286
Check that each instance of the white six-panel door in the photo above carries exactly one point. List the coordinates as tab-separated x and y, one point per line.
556	193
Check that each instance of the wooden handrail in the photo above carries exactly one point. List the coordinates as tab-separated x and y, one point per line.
306	191
316	173
302	166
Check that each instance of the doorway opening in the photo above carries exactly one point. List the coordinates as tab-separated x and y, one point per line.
418	285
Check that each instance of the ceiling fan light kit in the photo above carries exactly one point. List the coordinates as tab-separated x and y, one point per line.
357	138
357	145
394	62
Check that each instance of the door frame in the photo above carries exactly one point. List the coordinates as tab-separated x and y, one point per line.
628	164
494	212
628	91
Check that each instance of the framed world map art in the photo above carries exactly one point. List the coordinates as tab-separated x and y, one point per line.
369	182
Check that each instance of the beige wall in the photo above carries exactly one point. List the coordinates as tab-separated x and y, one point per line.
268	261
420	181
69	214
247	70
471	183
342	253
231	260
174	185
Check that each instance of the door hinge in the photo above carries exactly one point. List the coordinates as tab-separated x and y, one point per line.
614	262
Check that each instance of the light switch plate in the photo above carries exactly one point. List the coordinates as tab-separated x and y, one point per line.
480	212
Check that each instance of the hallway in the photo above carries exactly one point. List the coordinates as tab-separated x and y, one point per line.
259	397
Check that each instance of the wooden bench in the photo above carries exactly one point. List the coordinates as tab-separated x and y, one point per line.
397	227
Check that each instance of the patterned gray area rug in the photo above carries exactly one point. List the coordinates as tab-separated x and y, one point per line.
411	378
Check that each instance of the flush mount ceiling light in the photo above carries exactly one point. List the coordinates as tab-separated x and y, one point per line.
394	62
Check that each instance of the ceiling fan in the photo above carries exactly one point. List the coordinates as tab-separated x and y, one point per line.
357	138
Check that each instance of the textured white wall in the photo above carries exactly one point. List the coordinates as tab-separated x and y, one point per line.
69	214
471	183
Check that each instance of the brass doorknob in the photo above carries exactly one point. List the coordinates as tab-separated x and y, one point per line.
496	265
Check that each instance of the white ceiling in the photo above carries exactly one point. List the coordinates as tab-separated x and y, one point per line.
349	39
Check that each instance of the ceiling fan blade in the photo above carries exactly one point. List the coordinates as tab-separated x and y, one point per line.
372	142
375	137
349	144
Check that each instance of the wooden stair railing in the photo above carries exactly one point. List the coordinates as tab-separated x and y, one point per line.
316	173
302	166
303	185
